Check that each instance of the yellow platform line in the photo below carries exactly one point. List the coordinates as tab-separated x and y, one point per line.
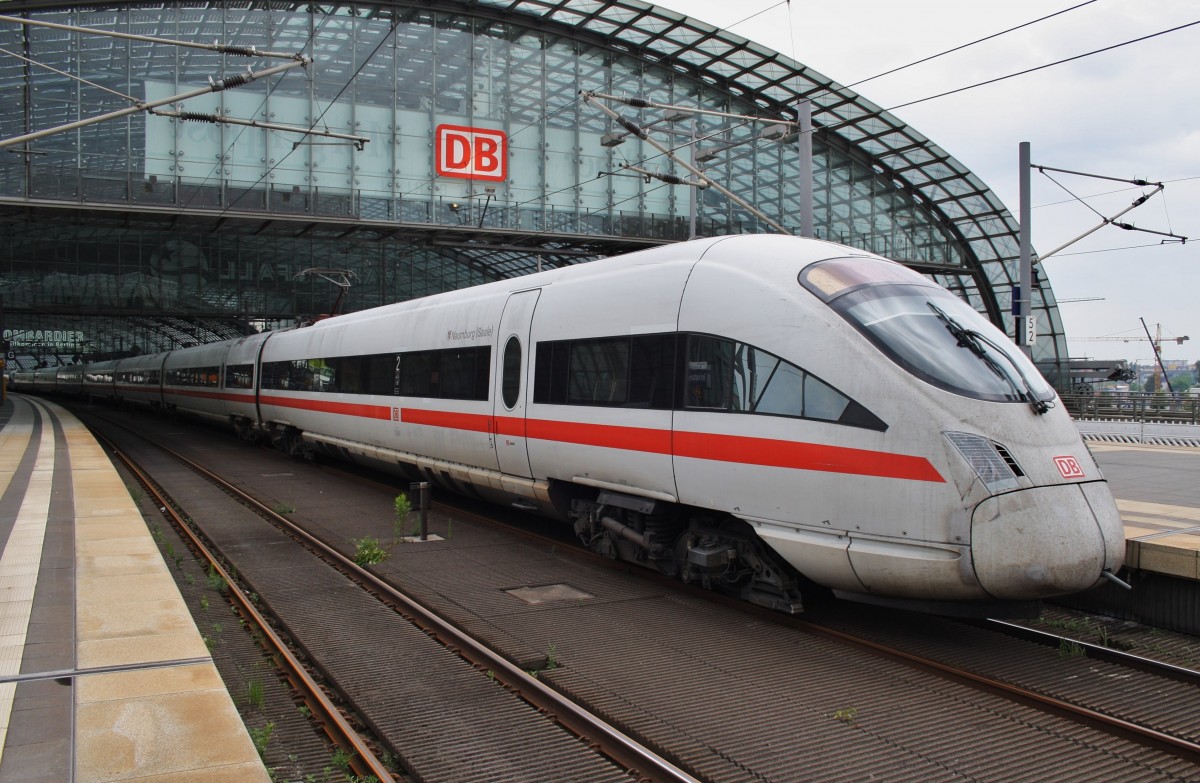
1190	515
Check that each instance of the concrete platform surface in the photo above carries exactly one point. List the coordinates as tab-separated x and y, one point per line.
103	674
1158	493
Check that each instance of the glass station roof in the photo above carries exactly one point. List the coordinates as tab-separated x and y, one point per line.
981	267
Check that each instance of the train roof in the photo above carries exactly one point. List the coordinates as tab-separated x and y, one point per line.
753	253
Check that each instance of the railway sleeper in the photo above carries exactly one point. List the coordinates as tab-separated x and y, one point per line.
717	553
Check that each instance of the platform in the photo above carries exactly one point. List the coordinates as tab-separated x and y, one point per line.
1158	493
103	674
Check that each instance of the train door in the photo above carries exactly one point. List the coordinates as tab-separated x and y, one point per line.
513	357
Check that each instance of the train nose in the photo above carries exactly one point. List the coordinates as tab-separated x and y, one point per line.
1046	541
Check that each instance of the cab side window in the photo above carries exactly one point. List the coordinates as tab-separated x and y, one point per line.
726	375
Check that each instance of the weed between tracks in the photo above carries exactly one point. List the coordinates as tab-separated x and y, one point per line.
846	715
367	551
403	508
1119	635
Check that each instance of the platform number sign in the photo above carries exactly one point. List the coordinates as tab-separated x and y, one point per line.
1069	467
471	153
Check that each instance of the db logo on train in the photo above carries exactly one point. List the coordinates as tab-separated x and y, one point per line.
1069	467
471	153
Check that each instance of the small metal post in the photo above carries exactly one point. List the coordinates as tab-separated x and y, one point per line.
805	183
421	488
1024	291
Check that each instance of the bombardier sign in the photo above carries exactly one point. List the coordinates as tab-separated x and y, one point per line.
471	153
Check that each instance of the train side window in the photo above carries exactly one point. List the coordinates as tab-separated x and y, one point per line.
345	375
382	374
238	376
599	371
822	402
779	386
510	386
709	382
194	376
730	376
652	371
419	374
552	372
629	372
458	374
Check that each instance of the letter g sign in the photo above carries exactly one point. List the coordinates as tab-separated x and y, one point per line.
470	153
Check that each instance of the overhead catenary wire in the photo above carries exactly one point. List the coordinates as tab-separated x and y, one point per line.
244	51
215	86
1110	192
959	48
317	120
847	123
1045	66
72	76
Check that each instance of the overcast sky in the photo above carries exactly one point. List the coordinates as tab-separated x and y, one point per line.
1133	112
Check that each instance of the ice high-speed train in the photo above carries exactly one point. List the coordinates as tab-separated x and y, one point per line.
753	413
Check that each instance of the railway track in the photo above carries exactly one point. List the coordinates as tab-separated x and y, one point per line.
615	755
1133	712
796	689
1138	699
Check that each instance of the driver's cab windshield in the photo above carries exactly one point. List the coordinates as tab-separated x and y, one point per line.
926	329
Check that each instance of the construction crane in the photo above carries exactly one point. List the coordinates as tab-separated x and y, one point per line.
1155	343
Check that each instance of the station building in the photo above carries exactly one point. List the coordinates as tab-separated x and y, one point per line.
449	146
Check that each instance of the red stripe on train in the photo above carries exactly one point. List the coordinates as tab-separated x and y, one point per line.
804	456
247	398
767	452
721	448
326	406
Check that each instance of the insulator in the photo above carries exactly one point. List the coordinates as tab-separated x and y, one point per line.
632	127
194	116
236	80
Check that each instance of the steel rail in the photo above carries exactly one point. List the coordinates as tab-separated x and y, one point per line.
1177	746
336	727
626	751
1097	651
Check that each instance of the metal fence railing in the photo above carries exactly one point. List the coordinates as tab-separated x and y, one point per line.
1159	408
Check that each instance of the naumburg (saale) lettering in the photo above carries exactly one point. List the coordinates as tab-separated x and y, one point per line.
478	332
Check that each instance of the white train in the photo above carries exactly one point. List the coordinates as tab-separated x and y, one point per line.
753	413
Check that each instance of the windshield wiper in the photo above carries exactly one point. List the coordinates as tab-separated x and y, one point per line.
975	342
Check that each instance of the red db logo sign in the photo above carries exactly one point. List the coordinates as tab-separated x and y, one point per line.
470	153
1069	467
